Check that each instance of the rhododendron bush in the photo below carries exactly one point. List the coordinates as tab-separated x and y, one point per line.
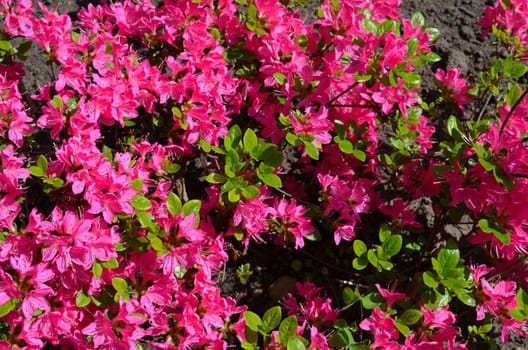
177	135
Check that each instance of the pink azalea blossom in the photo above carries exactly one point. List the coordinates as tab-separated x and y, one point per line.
455	86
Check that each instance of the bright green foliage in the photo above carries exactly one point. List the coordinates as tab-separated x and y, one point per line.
449	278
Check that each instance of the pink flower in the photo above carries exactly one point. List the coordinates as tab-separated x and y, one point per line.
288	220
101	330
390	296
437	326
346	199
382	327
313	308
400	213
454	86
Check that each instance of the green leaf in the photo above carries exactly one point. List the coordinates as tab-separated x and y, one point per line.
360	78
522	299
295	344
412	45
434	34
251	336
57	102
417	20
206	146
36	171
288	328
513	95
343	338
253	320
369	26
385	265
215	178
171	168
233	137
271	180
410	317
97	270
252	11
373	259
403	328
111	264
248	346
360	248
231	163
250	192
485	226
501	177
430	279
292	139
271	319
233	195
193	206
392	245
54	181
371	300
137	184
82	300
174	204
464	297
42	163
268	154
449	256
350	297
359	154
156	243
453	128
107	153
311	150
432	57
121	286
360	263
513	69
384	232
8	306
5	45
279	77
411	80
140	202
519	315
250	140
485	328
346	146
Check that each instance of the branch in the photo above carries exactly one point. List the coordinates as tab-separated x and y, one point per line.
512	110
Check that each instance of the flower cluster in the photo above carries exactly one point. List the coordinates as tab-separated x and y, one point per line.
175	133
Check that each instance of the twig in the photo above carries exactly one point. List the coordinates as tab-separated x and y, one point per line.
341	94
512	110
483	109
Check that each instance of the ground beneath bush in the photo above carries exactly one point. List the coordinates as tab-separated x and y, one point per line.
276	270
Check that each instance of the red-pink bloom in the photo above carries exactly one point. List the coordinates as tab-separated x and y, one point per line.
313	308
454	86
14	121
388	96
288	220
437	326
383	328
101	331
251	215
346	199
390	296
400	213
12	173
